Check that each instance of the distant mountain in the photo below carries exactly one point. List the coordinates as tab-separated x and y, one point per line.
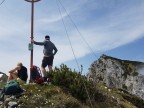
114	72
3	79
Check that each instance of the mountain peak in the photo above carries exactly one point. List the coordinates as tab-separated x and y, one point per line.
104	56
115	72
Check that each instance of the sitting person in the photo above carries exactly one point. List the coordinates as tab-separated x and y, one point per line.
19	73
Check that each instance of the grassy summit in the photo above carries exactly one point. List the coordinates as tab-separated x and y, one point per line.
67	91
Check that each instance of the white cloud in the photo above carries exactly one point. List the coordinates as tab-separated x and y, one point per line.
52	19
108	31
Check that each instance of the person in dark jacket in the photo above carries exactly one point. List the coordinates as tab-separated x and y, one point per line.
19	73
49	51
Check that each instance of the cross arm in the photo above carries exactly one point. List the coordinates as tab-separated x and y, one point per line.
32	0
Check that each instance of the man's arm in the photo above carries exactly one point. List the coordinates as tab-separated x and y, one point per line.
55	50
38	43
14	70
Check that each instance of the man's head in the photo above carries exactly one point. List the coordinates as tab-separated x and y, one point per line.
19	65
47	37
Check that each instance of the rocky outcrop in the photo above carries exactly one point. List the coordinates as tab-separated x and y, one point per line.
118	73
3	79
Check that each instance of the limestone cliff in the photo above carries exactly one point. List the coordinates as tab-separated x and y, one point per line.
118	73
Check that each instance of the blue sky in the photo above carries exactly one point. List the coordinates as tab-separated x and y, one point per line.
112	27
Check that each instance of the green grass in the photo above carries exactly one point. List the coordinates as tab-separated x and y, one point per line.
47	96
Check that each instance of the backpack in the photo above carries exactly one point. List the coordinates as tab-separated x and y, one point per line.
35	73
12	87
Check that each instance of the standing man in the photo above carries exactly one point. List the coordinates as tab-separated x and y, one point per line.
48	53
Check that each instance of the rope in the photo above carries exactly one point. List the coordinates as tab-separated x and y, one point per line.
86	89
75	56
2	2
68	36
78	29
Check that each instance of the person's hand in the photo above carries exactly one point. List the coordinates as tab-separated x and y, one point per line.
32	41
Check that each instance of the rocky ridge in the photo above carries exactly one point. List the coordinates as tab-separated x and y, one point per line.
123	74
3	79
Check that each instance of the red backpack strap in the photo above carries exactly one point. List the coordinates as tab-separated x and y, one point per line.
32	67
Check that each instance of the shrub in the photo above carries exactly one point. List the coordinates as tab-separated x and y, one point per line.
71	81
135	73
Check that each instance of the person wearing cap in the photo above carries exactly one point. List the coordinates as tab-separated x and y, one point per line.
19	73
49	51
